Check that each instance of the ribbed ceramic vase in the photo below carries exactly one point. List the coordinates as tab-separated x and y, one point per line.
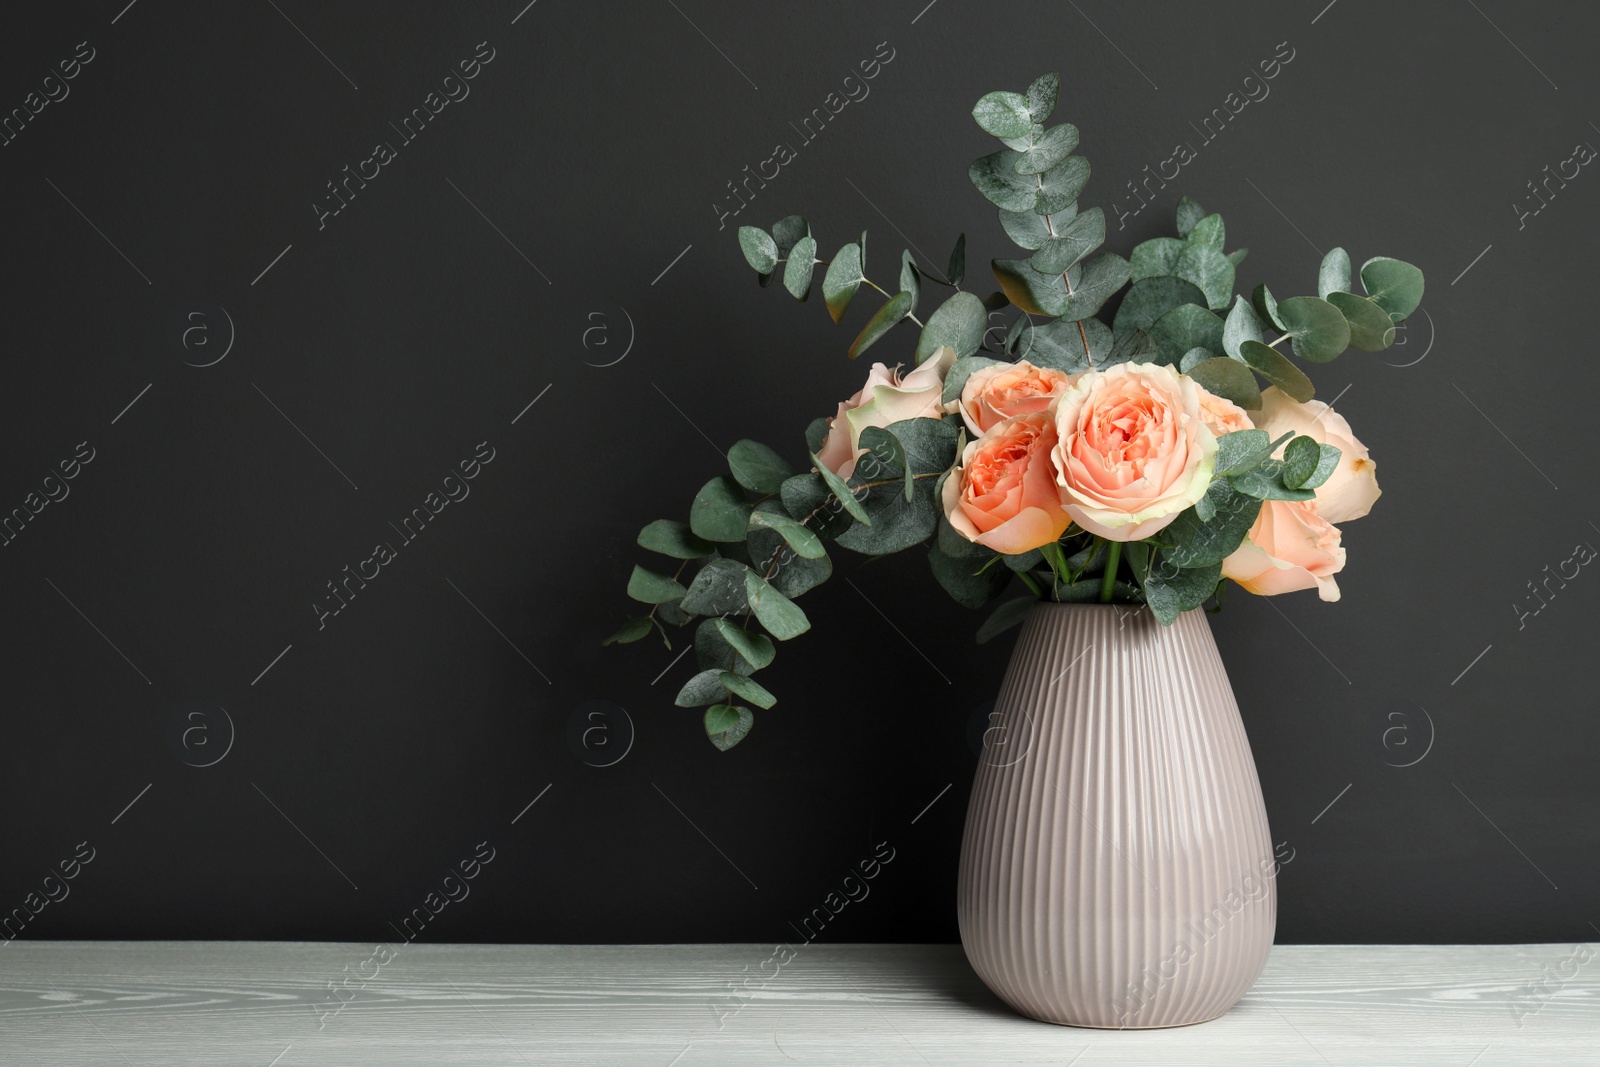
1117	869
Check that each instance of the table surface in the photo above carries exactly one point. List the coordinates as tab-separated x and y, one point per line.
284	1004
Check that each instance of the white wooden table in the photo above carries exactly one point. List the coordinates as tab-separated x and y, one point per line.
266	1004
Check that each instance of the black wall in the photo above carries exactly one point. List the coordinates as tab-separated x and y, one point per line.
553	237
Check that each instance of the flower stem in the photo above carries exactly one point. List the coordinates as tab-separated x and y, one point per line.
1108	583
1032	585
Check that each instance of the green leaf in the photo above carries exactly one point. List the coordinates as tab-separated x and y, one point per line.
720	511
956	272
960	371
780	615
712	650
1193	358
631	631
996	177
1229	379
672	538
1059	186
1240	451
1236	257
1056	144
1189	213
1093	283
1026	228
805	543
773	556
799	267
1265	482
1131	346
1028	289
1184	327
1307	463
1266	306
1317	329
816	433
755	649
749	688
757	467
704	688
1209	270
843	278
1042	96
1085	233
718	589
1394	285
788	231
909	282
882	321
1334	274
1058	344
1003	114
1170	591
1194	542
759	250
1371	328
1005	617
727	725
842	492
1276	368
1151	298
958	323
648	587
1156	258
1240	326
1209	232
805	497
897	523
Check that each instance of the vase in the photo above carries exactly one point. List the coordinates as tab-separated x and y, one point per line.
1116	870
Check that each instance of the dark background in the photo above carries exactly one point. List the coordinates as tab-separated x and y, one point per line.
573	191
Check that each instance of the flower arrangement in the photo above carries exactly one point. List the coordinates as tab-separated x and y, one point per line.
1135	462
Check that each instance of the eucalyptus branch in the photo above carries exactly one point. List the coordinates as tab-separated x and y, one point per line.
1051	226
890	295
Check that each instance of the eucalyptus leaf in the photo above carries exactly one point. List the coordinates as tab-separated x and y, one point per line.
960	578
781	616
1240	451
759	249
1026	228
1085	233
1189	213
1132	346
1209	270
1229	379
712	651
1371	328
757	467
1093	283
1265	481
1059	186
1030	290
958	323
1394	285
1156	258
1277	369
798	537
1041	96
1059	344
1150	298
648	587
909	282
959	372
1333	276
1004	617
726	725
704	688
882	321
1266	307
1317	330
1240	326
1003	114
843	278
1170	591
956	272
743	686
788	232
1185	327
840	490
672	538
1209	232
1196	543
996	177
720	511
755	649
1047	151
798	269
718	589
1307	463
631	631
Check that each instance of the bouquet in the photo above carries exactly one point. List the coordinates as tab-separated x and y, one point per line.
1140	462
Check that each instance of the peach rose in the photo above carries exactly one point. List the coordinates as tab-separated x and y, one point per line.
1002	390
1133	449
886	399
1003	494
1222	416
1290	547
1353	487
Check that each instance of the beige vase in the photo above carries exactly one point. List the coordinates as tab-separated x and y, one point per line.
1116	869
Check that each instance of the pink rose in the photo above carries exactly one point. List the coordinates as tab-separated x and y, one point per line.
1222	416
1290	547
1353	487
1133	449
1002	390
886	399
1004	492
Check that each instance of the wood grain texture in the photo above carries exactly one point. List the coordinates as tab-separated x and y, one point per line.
256	1003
